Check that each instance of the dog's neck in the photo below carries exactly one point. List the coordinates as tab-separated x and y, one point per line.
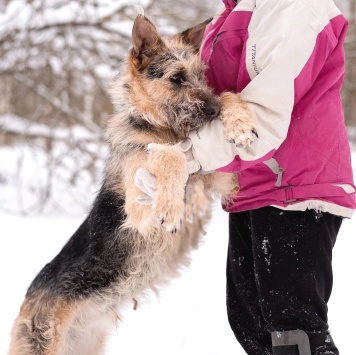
149	125
138	123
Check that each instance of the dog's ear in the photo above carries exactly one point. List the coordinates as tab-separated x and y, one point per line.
146	41
194	35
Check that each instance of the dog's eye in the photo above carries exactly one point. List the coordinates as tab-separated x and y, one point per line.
177	79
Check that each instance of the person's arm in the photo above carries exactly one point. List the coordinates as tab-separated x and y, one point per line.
289	41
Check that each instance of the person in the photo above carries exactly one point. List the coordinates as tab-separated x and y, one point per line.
286	60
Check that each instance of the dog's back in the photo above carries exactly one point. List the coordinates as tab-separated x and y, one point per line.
92	258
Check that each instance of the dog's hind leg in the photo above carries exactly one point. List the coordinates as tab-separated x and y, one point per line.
93	342
41	327
90	328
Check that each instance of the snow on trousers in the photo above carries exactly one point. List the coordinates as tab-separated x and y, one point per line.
279	277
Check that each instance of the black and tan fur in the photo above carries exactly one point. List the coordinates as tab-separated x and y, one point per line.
124	248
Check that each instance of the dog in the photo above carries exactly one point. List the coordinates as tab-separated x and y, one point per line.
123	248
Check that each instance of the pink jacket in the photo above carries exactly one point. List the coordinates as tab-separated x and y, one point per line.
286	58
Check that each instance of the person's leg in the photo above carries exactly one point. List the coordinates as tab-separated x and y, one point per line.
292	257
243	307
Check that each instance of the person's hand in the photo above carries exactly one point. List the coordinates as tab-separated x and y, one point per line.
147	183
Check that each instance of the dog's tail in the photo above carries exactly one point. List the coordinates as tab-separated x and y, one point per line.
40	326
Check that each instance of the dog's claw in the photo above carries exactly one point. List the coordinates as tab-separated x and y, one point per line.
245	141
170	228
160	219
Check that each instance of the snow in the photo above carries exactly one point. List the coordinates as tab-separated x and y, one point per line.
13	123
29	171
189	317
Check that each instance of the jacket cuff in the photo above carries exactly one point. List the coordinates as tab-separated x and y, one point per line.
210	148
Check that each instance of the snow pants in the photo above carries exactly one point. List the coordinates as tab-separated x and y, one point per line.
279	277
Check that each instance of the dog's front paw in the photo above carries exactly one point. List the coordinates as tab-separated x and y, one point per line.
239	125
168	164
169	211
242	137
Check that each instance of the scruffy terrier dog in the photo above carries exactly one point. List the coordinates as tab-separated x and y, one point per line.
124	248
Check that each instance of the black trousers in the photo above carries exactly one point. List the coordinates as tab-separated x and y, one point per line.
279	276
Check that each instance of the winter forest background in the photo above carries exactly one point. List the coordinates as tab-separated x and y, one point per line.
56	60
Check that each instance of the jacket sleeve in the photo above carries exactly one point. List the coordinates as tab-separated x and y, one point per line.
281	44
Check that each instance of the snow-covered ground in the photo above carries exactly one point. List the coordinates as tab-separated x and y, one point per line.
189	317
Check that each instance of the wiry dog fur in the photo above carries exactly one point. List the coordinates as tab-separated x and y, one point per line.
124	248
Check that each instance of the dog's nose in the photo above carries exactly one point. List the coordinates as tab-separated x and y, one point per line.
212	110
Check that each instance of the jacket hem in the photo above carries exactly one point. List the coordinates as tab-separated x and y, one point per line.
319	206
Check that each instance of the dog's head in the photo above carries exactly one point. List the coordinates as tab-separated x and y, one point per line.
165	83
